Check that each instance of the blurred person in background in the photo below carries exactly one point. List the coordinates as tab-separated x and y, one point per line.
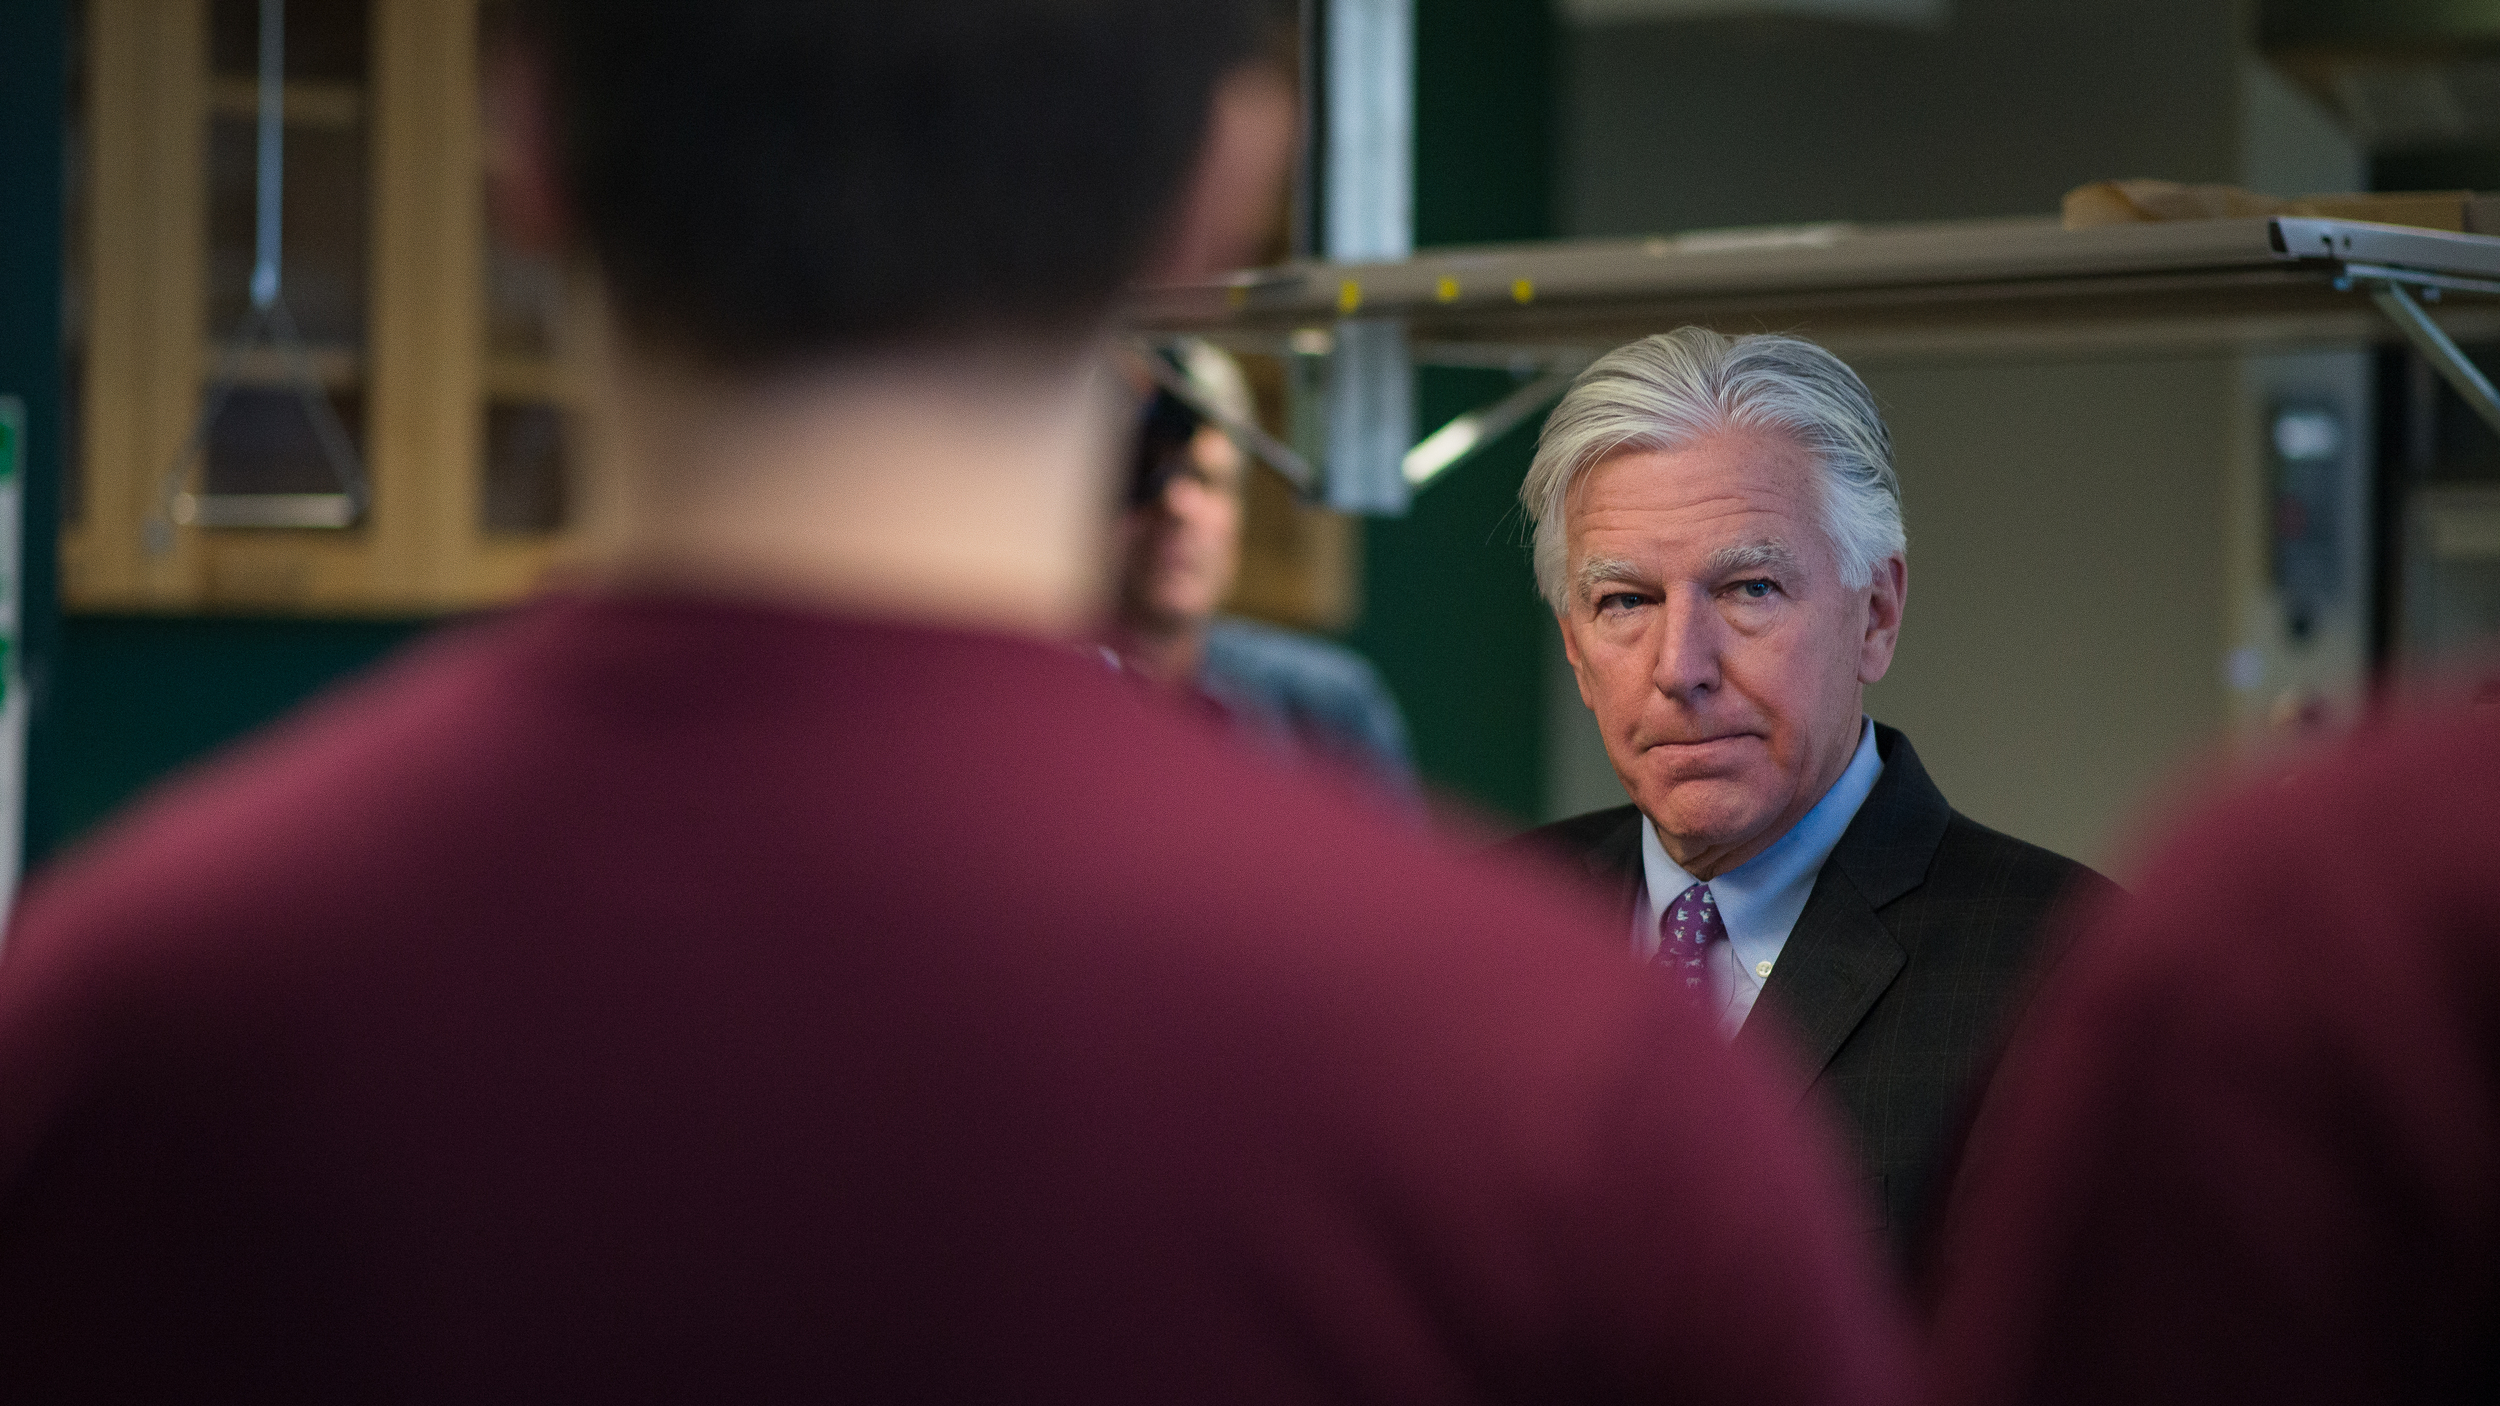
2247	1148
1180	552
794	968
1718	530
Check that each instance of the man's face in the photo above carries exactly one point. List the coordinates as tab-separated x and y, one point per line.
1713	638
1180	550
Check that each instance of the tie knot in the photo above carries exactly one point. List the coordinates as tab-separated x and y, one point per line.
1685	931
1697	900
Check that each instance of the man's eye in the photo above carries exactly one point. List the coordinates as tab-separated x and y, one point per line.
1758	588
1619	600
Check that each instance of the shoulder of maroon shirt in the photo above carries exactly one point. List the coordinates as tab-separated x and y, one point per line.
958	979
2249	1147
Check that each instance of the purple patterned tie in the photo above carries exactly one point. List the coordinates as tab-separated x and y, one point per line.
1685	931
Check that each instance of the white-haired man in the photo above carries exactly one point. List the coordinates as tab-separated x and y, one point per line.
1718	530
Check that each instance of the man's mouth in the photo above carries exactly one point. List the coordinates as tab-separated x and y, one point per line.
1700	749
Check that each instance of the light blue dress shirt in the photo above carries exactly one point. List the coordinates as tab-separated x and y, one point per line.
1759	900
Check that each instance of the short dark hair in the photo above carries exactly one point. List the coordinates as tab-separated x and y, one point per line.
768	181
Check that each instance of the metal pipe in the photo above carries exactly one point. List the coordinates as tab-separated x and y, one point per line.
271	157
1367	198
1460	440
2441	351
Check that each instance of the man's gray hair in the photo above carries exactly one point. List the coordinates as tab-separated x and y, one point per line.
1666	391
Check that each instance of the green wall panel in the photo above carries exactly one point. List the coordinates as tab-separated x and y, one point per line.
138	697
1452	621
1484	120
1449	611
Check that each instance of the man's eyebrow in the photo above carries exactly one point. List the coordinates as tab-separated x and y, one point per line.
1598	571
1766	555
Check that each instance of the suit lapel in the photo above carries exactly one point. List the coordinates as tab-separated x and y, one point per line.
1614	863
1840	957
1838	960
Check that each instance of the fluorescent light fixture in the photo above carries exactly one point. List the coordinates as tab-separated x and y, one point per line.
1911	14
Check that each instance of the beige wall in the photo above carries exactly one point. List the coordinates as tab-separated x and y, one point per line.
2068	608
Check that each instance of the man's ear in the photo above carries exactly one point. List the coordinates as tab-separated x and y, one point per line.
1230	202
524	180
1887	592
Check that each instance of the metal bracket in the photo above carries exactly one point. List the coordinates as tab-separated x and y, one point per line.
2435	345
2431	284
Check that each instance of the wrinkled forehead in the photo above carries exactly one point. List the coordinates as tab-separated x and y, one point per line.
1720	500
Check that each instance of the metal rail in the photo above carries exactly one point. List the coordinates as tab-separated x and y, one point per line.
1957	287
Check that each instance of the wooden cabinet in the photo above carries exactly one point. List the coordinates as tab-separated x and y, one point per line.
449	360
446	359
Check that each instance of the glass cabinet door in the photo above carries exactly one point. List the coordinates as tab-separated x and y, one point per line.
441	359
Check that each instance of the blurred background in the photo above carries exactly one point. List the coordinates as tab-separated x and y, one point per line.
2099	588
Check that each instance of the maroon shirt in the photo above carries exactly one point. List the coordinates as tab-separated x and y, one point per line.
645	999
2250	1147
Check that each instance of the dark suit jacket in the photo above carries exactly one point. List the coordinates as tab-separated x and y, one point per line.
1899	976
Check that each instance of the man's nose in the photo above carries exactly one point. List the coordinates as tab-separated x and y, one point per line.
1687	664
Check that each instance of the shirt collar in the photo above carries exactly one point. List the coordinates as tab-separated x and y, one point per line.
1759	900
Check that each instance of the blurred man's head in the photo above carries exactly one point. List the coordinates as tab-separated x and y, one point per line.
773	182
861	260
1180	533
1718	530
